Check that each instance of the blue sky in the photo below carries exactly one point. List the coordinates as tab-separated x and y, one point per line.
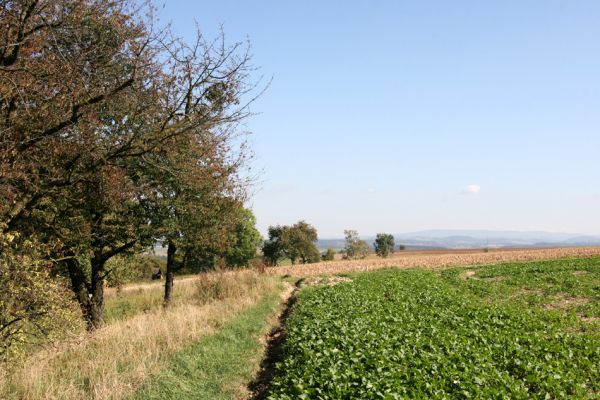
395	116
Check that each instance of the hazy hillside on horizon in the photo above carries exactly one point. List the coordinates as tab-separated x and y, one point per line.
465	238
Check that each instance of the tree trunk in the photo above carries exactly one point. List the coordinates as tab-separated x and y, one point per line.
80	289
89	295
97	294
170	275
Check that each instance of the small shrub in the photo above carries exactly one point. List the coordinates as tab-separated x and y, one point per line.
329	255
35	307
132	268
243	241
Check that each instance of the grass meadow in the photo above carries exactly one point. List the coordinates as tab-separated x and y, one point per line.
141	338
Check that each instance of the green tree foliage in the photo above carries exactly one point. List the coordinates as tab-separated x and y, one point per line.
300	243
74	77
329	255
34	306
296	242
272	248
236	246
244	241
384	244
355	248
114	135
124	269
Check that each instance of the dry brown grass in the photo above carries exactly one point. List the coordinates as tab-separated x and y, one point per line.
112	362
435	260
138	287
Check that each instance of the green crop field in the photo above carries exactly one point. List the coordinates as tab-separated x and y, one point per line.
521	330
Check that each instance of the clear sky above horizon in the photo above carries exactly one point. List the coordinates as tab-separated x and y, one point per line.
396	116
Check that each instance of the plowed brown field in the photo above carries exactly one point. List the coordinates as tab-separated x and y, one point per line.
437	259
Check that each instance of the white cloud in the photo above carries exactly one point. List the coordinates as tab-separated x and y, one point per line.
471	189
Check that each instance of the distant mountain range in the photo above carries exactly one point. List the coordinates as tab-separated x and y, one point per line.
462	239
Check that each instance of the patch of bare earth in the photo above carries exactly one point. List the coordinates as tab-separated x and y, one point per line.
494	278
580	273
469	274
244	391
435	261
326	280
564	302
472	274
528	292
259	387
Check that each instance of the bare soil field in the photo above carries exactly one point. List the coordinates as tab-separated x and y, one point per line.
431	259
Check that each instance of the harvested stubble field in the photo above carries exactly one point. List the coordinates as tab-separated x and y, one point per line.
434	260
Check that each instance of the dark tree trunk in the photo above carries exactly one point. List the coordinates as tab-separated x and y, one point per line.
89	295
90	292
170	275
97	291
80	288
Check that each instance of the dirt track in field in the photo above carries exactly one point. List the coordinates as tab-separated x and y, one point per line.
436	259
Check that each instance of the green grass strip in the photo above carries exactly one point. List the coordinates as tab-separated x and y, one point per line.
216	366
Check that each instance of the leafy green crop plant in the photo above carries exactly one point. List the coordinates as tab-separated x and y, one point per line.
399	334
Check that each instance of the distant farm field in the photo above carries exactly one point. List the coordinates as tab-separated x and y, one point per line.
435	259
511	330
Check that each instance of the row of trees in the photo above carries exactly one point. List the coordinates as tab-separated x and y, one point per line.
114	134
356	248
298	243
